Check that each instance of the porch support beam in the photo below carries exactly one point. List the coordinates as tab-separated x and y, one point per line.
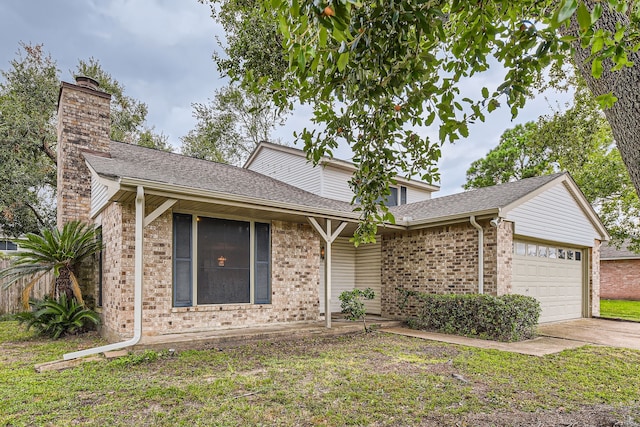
328	236
159	211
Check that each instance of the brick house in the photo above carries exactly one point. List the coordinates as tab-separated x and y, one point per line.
192	245
619	273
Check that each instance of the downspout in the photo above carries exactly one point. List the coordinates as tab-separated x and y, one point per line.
137	292
472	220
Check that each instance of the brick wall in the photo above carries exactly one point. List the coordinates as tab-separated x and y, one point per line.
118	237
294	282
620	279
441	260
83	124
504	257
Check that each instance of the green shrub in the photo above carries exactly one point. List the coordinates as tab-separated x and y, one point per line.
503	318
57	318
352	305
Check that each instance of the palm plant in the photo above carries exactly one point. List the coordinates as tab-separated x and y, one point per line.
57	251
56	318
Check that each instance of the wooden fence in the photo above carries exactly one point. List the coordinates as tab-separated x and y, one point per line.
10	299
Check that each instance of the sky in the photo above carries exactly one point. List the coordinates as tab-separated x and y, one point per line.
160	50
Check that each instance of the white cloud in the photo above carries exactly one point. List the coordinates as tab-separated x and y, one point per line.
160	22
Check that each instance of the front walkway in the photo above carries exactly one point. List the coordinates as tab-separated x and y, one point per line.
539	346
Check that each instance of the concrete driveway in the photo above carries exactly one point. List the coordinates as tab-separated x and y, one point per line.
611	333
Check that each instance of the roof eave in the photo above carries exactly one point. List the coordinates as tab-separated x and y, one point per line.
450	219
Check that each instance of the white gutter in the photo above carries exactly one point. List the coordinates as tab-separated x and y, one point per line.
477	226
137	293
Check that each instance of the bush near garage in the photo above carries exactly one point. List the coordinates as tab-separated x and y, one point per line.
504	318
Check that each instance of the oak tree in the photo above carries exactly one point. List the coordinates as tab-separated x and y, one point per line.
377	73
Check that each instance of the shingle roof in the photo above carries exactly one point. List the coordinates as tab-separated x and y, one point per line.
468	202
609	251
133	161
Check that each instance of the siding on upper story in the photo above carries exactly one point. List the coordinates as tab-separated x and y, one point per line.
556	216
335	184
289	168
329	181
417	195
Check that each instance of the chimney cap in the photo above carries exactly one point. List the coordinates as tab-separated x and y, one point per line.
87	82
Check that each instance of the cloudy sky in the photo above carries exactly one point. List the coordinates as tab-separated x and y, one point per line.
160	50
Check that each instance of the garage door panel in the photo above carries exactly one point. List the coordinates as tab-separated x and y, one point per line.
556	283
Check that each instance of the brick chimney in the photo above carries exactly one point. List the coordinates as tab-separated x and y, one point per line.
83	126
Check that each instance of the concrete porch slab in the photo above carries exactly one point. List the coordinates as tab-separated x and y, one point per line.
232	337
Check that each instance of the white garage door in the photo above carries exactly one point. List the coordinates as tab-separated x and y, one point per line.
553	275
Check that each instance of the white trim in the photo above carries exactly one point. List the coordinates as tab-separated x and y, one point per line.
159	211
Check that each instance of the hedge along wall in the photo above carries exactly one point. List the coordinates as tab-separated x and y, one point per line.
503	318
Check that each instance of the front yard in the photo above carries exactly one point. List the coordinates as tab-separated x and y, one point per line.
620	309
374	379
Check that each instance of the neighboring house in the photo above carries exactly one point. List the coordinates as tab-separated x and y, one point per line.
330	179
619	273
192	245
8	245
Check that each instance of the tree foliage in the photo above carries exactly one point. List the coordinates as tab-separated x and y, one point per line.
379	72
578	140
231	125
28	96
28	106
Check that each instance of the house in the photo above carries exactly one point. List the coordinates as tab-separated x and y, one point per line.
192	245
619	273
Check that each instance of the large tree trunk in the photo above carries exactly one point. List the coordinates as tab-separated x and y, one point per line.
624	116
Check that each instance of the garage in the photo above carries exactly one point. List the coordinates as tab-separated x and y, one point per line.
551	273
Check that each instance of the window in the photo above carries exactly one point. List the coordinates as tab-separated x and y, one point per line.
570	254
542	251
8	245
519	248
222	261
532	250
553	253
403	195
578	256
561	254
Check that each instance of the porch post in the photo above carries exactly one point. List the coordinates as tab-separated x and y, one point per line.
328	236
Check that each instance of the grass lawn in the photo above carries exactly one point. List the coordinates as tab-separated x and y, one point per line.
620	309
374	379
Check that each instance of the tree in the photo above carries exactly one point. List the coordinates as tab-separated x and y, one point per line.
230	126
57	251
517	156
28	96
376	72
28	107
578	140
